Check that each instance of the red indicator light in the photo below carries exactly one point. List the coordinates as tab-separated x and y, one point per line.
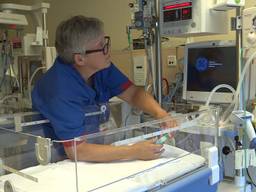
12	26
180	5
185	11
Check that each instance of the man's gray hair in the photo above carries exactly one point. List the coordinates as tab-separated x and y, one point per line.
73	35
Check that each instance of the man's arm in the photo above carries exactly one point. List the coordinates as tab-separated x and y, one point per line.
139	98
146	150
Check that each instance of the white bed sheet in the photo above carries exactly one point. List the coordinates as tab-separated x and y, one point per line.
60	176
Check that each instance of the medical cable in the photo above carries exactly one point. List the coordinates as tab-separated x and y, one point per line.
31	79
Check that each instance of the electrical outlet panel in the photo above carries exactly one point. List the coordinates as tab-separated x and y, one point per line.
171	60
140	70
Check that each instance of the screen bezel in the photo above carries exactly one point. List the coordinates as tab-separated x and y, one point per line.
202	96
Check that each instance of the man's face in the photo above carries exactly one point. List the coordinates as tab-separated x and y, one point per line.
98	53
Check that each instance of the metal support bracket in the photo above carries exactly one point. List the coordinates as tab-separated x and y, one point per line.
43	150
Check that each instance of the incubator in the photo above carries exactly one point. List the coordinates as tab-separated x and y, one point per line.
30	162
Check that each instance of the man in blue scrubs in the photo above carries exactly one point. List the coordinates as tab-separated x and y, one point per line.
82	80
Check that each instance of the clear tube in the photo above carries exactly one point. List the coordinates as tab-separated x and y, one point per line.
247	64
236	93
245	69
216	88
31	79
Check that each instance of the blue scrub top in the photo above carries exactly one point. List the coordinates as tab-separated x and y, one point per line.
63	97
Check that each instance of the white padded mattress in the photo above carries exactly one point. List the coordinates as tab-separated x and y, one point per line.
60	176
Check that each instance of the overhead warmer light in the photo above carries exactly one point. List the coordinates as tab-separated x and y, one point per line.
12	18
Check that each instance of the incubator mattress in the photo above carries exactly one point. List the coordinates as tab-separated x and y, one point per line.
115	176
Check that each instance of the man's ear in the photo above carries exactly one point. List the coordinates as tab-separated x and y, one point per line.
79	59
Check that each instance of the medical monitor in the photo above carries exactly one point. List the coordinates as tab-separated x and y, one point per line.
206	65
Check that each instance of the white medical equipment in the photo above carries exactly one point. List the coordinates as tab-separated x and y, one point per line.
11	18
249	45
224	5
38	10
158	18
28	53
244	119
192	164
191	17
245	150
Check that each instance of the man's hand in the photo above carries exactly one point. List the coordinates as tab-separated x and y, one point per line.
169	123
147	150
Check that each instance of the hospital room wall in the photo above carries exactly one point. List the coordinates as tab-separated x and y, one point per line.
116	16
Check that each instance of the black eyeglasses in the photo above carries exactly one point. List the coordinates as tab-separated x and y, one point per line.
104	49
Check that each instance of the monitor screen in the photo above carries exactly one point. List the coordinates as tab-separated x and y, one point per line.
208	64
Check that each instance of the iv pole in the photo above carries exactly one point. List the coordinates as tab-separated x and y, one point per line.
158	52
